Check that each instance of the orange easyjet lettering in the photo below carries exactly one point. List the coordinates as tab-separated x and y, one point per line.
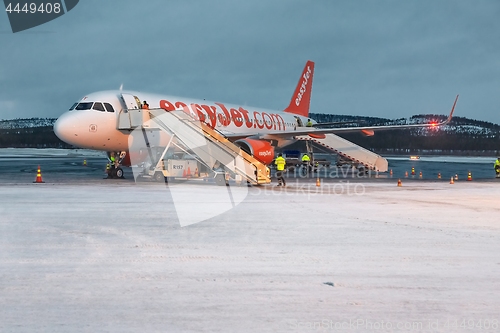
238	117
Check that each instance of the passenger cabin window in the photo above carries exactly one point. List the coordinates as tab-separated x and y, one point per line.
98	106
71	108
109	107
84	106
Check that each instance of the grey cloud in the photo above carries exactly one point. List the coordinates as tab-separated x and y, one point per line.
378	58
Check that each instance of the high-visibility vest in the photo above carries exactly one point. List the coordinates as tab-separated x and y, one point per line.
497	164
280	163
305	158
309	124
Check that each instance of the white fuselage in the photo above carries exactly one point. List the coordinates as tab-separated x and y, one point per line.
93	124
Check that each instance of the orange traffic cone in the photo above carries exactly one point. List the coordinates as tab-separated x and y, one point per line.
420	175
183	173
451	181
400	183
439	175
84	162
390	172
38	176
188	172
406	174
318	182
469	176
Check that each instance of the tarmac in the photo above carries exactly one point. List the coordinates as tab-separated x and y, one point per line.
82	254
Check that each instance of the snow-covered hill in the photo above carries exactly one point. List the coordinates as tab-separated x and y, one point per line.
26	123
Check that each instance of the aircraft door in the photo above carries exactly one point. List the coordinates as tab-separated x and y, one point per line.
299	122
130	102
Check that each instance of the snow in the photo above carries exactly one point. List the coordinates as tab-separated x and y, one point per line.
113	257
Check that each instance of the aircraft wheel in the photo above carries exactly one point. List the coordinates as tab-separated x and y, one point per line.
118	173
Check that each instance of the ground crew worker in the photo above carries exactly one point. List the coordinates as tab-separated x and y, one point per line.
306	161
145	105
112	160
309	123
280	168
108	170
497	167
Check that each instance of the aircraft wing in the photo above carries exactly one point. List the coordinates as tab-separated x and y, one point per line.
365	129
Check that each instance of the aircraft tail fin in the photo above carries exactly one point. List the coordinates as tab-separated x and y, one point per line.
299	104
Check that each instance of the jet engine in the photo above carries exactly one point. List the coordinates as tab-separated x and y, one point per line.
260	149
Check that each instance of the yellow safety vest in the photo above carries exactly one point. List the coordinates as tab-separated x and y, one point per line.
497	163
305	158
280	163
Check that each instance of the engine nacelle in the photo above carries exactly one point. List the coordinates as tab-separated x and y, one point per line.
260	149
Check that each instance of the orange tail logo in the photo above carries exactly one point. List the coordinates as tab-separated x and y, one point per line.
302	96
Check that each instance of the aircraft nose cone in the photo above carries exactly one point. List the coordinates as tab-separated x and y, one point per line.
65	127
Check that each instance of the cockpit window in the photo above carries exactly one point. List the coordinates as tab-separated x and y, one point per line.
84	106
109	107
71	108
98	106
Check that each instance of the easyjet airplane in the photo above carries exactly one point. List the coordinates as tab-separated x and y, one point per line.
93	122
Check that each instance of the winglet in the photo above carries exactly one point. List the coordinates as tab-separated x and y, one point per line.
299	104
451	113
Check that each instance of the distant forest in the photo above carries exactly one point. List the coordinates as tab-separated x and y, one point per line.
32	137
462	136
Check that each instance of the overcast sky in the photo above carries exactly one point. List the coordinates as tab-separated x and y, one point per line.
377	58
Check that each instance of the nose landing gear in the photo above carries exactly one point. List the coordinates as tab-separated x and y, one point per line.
113	169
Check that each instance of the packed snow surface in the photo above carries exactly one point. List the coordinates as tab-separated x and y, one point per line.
424	257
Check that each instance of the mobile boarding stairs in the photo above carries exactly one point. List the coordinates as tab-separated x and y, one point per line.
205	144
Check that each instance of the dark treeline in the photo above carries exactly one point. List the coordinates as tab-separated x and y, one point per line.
33	137
460	136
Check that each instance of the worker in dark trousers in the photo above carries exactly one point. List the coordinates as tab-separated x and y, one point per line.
306	163
280	169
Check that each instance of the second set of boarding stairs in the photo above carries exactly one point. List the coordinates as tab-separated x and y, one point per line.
351	151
